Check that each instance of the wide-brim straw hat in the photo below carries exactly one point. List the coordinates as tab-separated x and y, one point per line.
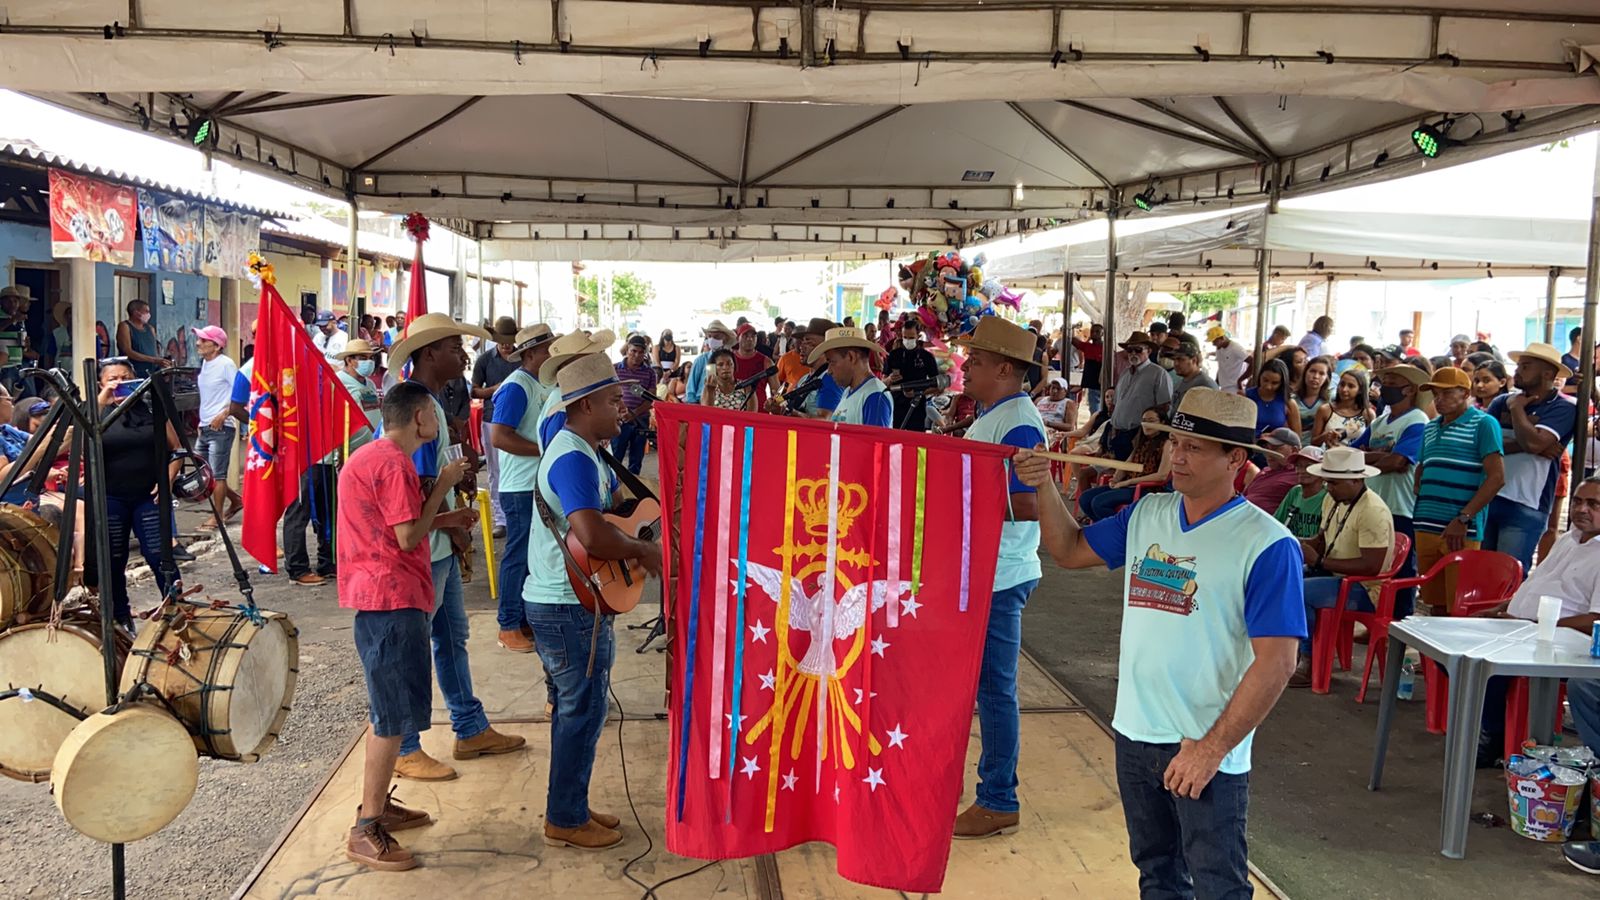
531	337
716	327
357	347
1002	337
569	347
587	374
504	330
1214	416
1340	462
843	339
1543	353
424	330
1409	372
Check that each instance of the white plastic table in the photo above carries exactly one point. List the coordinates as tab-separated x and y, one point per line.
1471	651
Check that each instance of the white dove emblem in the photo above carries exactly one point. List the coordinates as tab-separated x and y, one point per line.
807	614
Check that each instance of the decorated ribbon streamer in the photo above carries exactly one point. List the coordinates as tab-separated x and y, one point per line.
719	624
780	630
966	528
891	599
486	522
828	597
895	478
916	537
694	613
738	638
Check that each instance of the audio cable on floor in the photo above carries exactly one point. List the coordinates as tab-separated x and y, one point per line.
649	843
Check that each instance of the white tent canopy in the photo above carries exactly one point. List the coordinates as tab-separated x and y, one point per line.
662	129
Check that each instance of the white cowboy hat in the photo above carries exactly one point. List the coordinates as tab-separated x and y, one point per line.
569	347
1543	353
424	330
587	374
1341	462
840	339
1210	414
716	327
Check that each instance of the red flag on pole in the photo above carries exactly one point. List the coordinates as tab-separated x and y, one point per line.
827	645
299	413
417	297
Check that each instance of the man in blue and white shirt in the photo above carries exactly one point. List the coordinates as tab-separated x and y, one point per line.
513	430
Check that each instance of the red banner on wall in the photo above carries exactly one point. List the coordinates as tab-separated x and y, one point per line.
91	219
830	600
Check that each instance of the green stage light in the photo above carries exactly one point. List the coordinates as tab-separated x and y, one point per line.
200	131
1144	201
1428	141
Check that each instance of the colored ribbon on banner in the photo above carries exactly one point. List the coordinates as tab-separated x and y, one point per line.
966	529
780	629
694	614
922	509
894	532
719	625
828	597
738	639
891	599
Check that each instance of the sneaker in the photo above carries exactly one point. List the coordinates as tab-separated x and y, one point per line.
515	641
398	818
1584	855
1302	673
591	835
499	531
487	743
419	766
309	579
181	553
976	822
372	846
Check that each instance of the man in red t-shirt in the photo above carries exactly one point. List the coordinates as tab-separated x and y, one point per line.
748	362
386	577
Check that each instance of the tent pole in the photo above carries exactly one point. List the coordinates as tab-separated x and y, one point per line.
1108	311
1550	306
1591	293
352	262
1066	325
1263	279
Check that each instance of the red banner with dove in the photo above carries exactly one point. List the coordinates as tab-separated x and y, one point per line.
830	596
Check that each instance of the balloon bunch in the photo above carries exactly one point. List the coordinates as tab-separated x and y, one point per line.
952	294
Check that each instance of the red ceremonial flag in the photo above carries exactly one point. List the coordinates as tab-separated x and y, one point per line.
299	413
830	596
417	297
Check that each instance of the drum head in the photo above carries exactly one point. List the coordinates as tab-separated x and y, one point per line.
69	668
119	778
27	565
263	686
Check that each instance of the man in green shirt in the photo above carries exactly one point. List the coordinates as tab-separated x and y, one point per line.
1301	509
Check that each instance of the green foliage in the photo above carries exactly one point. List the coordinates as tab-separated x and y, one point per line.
1206	302
629	291
737	304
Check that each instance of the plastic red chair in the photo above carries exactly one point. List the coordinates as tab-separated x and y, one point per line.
1484	579
1330	620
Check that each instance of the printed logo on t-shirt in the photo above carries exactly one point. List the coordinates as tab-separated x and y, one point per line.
1163	582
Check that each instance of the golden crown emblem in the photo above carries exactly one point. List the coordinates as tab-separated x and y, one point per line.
812	497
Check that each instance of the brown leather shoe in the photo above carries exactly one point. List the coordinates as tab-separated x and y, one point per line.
591	835
419	766
371	846
604	820
515	641
976	822
527	631
1302	673
488	742
309	579
398	818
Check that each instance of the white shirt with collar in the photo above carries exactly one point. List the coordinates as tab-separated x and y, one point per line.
1571	572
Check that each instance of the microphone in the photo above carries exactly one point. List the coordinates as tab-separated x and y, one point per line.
757	378
802	390
921	384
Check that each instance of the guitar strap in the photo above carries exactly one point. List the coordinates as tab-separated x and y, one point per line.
548	516
632	482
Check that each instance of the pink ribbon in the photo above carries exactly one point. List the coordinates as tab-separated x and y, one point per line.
966	527
719	633
893	577
827	597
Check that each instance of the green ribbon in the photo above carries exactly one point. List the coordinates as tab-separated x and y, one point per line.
916	539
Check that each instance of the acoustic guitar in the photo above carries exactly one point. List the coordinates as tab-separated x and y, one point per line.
613	586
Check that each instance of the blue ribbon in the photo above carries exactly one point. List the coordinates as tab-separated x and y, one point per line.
694	612
738	644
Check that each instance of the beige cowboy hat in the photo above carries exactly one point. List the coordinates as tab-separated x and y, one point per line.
504	330
842	339
1341	462
531	337
424	330
1543	353
1409	372
357	347
587	374
1003	337
1225	418
569	347
716	327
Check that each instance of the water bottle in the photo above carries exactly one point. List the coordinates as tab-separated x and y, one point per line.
1408	680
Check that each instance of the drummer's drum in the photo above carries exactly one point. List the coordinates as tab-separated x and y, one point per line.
27	566
64	663
122	776
229	679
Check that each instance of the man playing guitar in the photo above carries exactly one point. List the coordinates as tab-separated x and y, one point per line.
578	487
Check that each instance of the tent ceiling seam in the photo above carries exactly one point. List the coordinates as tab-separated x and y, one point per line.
463	107
1058	143
1249	132
818	148
618	121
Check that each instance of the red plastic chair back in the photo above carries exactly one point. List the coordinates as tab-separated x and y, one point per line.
1484	579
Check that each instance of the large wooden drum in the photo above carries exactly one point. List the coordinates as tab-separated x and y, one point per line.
65	663
27	566
124	776
230	680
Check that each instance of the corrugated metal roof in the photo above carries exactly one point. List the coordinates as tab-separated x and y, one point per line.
28	151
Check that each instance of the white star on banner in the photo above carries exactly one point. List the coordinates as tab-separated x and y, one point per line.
731	726
789	780
897	738
874	779
879	645
750	768
768	681
759	632
909	607
860	695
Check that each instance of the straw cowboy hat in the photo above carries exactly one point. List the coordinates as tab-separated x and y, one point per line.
1543	353
424	330
1002	337
588	373
504	330
1210	414
1407	371
531	337
357	347
1339	462
843	339
716	327
19	291
569	347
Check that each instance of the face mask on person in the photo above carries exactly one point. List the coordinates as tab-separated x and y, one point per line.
910	343
364	367
713	344
142	318
1392	395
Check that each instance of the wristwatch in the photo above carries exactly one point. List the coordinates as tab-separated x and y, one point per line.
1464	519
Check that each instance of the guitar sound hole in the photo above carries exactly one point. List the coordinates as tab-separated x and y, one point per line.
647	533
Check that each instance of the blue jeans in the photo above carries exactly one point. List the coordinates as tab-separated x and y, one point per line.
1514	529
999	713
1183	848
1583	695
1102	502
518	506
561	631
1093	395
1322	592
1405	599
131	518
631	440
467	718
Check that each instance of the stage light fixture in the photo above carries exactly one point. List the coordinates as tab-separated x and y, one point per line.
1144	201
1431	140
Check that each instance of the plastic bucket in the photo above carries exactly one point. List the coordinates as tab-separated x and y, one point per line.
1545	808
